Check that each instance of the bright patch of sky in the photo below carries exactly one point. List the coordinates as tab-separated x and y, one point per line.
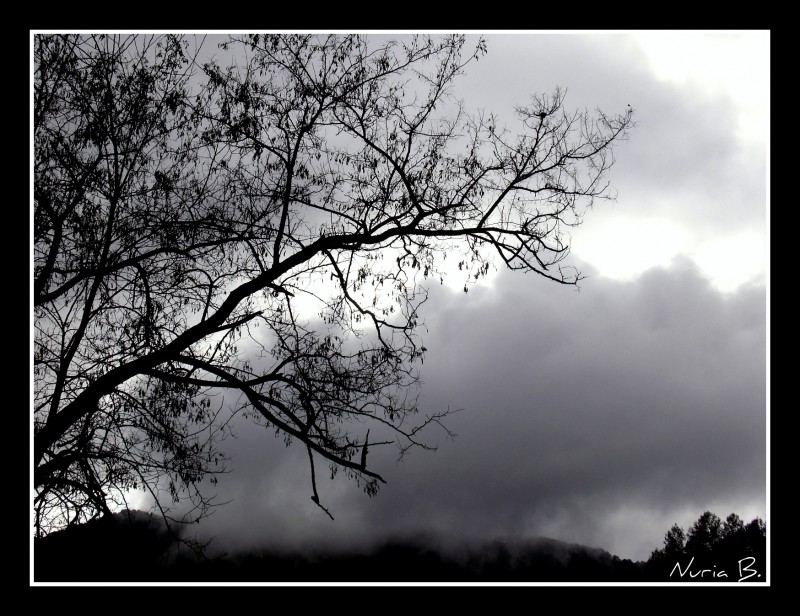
623	247
734	64
719	66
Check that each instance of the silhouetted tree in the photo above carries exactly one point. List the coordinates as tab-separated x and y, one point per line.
732	526
674	548
755	538
674	541
711	547
704	534
210	240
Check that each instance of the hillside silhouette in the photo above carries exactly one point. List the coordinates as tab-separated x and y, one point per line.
136	547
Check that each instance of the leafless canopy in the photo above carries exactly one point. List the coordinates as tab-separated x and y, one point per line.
256	239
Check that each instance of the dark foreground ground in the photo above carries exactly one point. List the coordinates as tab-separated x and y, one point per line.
141	551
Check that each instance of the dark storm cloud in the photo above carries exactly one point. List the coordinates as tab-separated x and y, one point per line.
648	393
601	416
578	407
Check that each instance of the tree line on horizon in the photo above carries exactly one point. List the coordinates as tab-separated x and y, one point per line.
137	547
712	550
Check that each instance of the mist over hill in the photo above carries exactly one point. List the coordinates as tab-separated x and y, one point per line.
137	547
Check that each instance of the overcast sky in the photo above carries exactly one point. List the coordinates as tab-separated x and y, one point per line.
601	415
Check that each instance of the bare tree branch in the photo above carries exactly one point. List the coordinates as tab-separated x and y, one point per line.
184	210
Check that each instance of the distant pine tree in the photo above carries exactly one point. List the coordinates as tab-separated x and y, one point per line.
712	551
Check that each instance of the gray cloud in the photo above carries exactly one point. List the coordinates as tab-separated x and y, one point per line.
600	416
683	161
